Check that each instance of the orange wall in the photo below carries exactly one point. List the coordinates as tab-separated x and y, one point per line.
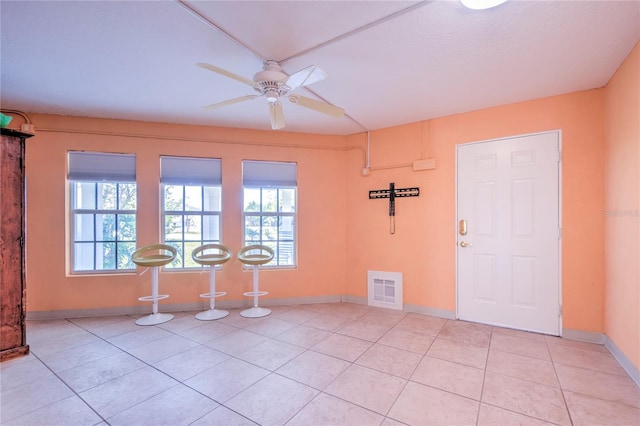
321	205
423	248
622	208
342	233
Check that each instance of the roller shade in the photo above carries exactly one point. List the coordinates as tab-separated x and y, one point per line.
190	171
101	167
269	173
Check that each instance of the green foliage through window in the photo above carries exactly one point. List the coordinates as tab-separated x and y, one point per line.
269	219
104	225
191	218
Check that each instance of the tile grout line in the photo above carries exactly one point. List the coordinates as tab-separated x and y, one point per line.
484	375
525	380
417	365
351	363
66	384
564	399
180	382
125	351
334	332
320	391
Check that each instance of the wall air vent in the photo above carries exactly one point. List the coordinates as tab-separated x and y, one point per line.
385	289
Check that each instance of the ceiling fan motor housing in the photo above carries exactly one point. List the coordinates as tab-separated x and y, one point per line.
271	81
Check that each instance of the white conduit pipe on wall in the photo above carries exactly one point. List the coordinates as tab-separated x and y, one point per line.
20	113
366	153
367	163
199	140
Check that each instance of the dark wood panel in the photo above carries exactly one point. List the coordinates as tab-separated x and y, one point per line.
12	279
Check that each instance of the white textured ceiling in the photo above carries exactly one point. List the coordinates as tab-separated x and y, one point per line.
388	62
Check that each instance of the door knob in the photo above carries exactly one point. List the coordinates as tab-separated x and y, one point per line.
465	244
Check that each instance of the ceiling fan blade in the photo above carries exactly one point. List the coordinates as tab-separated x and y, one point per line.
306	76
226	73
230	101
319	106
277	115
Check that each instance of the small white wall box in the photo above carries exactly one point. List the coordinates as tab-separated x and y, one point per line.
385	289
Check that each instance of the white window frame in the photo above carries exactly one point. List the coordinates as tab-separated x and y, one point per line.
183	173
265	176
96	169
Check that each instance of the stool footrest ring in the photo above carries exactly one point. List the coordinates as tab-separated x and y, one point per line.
216	294
153	299
255	293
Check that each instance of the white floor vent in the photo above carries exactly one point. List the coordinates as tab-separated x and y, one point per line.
385	289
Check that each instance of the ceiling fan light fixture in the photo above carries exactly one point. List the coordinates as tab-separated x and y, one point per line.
271	95
481	4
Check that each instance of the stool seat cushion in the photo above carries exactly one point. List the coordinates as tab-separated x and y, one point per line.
154	255
264	254
221	255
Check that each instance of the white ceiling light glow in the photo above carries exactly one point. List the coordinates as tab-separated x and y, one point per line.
481	4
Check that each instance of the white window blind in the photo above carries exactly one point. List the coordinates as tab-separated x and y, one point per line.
269	174
190	171
101	167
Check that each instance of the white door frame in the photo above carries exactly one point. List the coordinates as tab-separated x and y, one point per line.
455	219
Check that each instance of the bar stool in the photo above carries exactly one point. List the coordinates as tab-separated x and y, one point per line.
255	255
218	254
153	257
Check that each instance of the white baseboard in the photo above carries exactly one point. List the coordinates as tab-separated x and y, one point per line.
622	359
115	311
434	312
583	336
174	307
227	304
424	310
355	299
298	301
603	339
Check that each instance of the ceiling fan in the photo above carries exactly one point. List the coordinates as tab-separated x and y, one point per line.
272	83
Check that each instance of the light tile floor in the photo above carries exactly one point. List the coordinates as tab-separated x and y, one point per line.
319	364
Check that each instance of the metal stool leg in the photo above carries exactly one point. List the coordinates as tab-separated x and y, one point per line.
212	313
255	311
155	317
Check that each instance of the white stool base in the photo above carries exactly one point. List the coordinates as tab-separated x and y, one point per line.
211	314
154	319
255	312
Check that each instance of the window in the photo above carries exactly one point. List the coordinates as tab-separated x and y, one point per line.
103	211
270	208
191	205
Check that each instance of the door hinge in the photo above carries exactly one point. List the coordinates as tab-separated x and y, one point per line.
559	310
559	233
559	156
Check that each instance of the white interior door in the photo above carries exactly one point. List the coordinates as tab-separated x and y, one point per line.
508	262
